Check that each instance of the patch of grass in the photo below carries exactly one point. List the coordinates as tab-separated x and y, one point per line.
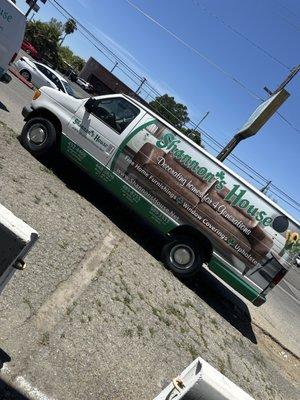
43	168
125	286
63	244
188	304
171	310
214	322
89	317
141	296
71	308
128	332
152	332
128	301
45	339
259	359
27	301
229	361
179	344
193	351
37	199
159	315
222	366
184	330
140	330
98	302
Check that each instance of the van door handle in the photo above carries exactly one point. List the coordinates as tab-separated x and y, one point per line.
110	148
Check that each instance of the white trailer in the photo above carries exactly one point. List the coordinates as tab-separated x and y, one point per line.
201	381
16	239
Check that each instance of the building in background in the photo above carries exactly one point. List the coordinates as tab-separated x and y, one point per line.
105	82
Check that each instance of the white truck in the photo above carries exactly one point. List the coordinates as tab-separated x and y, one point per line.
16	239
209	215
12	29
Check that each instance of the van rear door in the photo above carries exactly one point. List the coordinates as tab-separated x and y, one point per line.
12	28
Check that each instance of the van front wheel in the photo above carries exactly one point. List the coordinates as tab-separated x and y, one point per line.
38	135
183	256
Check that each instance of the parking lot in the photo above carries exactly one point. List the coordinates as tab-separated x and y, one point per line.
95	314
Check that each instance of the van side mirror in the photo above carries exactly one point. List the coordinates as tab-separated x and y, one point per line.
90	104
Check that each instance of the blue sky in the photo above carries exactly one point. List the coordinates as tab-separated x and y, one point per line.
201	66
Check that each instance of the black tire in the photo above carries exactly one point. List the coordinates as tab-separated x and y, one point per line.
39	135
191	248
26	74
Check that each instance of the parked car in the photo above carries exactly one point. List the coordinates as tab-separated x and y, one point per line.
30	49
84	84
41	75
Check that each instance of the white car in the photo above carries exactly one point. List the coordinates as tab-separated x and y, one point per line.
41	75
82	83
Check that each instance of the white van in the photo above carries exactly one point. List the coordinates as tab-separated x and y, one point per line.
12	29
208	214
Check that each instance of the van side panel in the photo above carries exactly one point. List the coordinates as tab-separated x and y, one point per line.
170	182
197	191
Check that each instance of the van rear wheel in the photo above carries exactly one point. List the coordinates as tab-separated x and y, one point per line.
38	135
183	256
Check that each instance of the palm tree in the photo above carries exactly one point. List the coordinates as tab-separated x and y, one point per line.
69	27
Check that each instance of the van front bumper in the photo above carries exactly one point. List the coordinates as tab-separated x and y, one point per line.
26	111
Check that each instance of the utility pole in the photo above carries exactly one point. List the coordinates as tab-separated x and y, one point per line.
266	187
194	131
264	111
140	87
116	64
32	5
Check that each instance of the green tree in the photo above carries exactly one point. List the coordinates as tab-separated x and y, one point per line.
58	25
192	134
175	113
69	27
78	63
45	37
67	58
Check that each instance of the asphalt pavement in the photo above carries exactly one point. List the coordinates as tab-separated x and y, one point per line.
279	316
95	314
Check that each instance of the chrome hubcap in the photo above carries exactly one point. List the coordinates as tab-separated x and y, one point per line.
182	256
37	134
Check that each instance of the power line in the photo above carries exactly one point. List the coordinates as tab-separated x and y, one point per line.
208	60
195	50
231	28
157	94
287	8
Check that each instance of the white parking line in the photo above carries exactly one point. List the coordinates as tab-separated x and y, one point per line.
67	292
27	389
24	387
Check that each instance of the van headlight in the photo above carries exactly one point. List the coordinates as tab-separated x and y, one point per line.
36	94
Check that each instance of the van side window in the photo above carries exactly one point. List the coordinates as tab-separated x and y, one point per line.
118	113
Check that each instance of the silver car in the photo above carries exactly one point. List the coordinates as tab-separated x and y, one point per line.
41	75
